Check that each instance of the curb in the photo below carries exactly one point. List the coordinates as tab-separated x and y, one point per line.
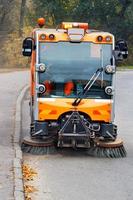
17	163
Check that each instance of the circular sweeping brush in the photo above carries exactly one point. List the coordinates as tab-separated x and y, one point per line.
38	147
111	149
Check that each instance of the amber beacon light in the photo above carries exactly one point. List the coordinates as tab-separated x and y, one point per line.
41	22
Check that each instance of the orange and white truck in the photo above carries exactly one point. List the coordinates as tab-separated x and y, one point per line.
73	88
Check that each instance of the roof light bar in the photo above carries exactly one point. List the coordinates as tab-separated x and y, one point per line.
67	25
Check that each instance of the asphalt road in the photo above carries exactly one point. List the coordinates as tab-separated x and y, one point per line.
69	175
10	85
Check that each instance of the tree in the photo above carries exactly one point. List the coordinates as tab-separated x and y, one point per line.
55	11
22	14
5	9
114	16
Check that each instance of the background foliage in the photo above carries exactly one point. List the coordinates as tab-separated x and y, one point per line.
115	16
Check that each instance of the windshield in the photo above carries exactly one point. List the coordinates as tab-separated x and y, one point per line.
71	65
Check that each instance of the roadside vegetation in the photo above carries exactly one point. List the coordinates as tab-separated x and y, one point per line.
17	19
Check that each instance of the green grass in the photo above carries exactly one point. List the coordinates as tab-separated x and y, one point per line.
129	67
125	67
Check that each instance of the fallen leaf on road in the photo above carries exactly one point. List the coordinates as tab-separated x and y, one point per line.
27	197
29	189
28	173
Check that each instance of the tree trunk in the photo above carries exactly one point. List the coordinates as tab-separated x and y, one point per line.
22	14
125	4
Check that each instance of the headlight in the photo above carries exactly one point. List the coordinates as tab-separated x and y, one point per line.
41	67
109	90
99	38
108	38
41	88
110	69
42	36
51	36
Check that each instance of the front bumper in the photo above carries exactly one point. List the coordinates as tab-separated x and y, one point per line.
74	130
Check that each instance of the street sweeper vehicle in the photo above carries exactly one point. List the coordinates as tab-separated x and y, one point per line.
72	94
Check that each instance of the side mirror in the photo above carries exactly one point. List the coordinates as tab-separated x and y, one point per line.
27	47
121	50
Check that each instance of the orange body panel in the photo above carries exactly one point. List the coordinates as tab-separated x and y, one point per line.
60	36
32	88
96	109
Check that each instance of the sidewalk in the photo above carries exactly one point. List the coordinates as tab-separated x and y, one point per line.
11	84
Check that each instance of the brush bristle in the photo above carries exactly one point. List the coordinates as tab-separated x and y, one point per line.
35	150
102	152
97	151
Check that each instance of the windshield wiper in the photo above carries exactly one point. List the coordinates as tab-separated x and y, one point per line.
88	86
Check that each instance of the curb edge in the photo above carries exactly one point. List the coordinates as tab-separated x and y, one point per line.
17	162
